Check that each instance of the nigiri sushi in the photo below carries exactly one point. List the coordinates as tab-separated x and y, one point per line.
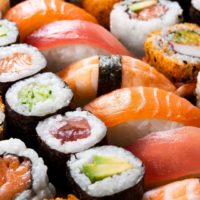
98	75
30	15
64	42
131	113
188	189
169	155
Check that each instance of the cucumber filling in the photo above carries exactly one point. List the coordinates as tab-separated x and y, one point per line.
3	31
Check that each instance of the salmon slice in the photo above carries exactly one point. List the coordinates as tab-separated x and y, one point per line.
82	77
131	113
15	176
188	189
30	15
169	155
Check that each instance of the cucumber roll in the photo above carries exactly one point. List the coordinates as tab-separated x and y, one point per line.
19	61
194	14
106	172
132	20
31	100
175	51
23	174
61	135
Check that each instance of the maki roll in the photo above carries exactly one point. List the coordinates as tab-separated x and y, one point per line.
140	18
2	119
33	99
194	14
106	172
175	51
23	174
61	135
8	32
19	61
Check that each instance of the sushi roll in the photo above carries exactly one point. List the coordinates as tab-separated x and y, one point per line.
61	135
31	100
175	51
194	15
98	75
132	20
2	119
17	62
106	172
8	32
64	42
23	174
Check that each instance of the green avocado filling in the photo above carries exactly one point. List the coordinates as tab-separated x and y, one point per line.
140	5
3	31
186	37
103	167
33	94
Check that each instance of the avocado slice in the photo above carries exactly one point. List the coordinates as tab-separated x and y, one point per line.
138	6
3	31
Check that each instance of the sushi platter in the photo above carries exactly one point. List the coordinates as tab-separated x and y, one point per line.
99	99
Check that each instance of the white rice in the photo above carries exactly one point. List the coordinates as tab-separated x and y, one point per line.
60	57
44	129
38	62
197	91
132	32
41	188
61	95
110	185
196	4
11	34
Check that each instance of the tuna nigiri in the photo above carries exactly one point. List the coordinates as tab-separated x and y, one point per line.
64	42
169	155
33	14
131	113
188	189
98	75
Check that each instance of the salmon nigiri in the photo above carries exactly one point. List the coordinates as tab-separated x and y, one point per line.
33	14
131	113
98	75
188	189
169	155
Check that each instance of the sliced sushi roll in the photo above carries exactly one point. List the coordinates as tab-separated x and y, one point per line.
98	75
64	42
23	174
132	113
31	100
194	15
175	51
132	20
106	172
2	119
8	32
61	135
19	61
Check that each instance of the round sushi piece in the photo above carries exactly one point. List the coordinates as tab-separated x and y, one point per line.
19	61
132	20
8	32
61	135
175	51
106	172
33	99
23	174
194	14
2	118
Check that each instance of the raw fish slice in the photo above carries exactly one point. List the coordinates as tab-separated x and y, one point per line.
169	155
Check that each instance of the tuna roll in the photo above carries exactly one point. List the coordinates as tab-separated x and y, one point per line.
61	135
33	99
194	14
19	61
106	172
132	20
23	174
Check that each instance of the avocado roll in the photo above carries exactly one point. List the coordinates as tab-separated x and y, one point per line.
23	174
194	14
33	99
9	33
106	172
19	61
61	135
132	20
175	51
